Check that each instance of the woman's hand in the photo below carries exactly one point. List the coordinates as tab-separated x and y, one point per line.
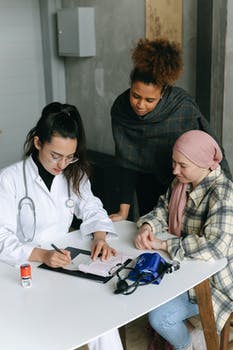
146	240
51	258
117	217
100	247
122	214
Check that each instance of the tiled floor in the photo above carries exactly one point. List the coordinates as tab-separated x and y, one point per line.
137	336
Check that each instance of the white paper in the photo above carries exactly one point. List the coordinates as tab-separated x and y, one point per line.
84	263
79	259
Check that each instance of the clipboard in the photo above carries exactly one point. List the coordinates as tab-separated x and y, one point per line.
77	273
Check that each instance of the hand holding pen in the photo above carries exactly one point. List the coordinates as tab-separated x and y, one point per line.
60	258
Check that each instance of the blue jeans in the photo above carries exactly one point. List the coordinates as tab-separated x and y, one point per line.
168	320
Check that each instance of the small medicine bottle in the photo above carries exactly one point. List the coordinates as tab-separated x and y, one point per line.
26	275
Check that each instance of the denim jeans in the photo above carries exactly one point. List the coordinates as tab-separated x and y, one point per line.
168	320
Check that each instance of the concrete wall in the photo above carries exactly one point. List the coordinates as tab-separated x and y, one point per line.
228	110
22	93
93	83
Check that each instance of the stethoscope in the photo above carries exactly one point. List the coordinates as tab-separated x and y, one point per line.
28	201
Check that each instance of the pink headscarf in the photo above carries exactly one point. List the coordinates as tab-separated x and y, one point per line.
202	150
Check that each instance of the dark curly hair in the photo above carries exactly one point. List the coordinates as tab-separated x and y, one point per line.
156	61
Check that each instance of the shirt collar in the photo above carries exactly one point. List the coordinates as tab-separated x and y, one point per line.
203	186
44	174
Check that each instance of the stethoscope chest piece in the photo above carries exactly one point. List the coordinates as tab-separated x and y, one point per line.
27	201
69	203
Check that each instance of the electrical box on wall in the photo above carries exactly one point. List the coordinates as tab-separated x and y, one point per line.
76	32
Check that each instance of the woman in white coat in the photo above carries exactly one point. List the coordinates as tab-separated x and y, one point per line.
40	195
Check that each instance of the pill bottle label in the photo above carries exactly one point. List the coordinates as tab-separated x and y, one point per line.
26	275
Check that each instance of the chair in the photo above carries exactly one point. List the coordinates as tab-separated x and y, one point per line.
225	342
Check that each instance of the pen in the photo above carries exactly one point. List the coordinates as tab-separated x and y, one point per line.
57	249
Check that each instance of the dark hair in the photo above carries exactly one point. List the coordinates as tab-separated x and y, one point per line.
63	120
157	62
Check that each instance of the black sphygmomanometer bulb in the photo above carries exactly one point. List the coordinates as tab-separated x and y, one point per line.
122	286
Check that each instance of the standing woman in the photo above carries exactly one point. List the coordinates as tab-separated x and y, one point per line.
198	210
146	121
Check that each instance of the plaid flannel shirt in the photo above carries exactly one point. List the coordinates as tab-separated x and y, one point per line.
206	233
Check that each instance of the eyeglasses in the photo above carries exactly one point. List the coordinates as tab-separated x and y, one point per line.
54	158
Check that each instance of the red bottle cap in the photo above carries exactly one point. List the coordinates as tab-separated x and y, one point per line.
25	270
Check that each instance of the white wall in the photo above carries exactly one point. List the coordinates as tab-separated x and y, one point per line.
22	93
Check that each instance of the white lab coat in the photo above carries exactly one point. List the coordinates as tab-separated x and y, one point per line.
53	217
110	340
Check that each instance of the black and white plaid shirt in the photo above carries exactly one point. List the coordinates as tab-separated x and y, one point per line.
206	233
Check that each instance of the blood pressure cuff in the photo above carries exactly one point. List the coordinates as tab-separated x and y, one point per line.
150	268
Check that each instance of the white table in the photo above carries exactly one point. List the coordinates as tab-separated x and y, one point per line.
64	312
